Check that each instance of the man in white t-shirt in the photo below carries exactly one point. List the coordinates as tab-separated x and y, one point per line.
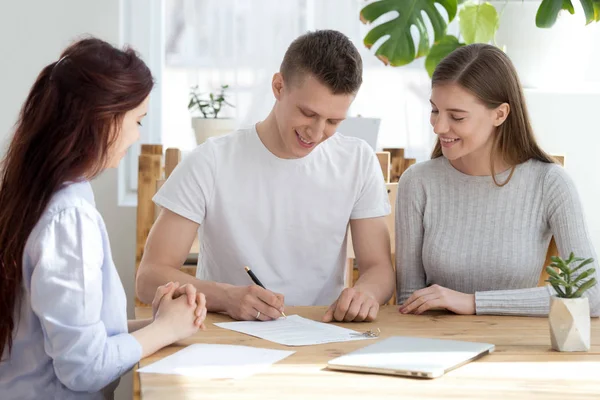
278	198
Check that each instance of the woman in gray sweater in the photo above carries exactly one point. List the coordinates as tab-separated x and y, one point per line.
474	223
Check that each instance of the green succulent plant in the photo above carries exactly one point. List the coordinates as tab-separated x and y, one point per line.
563	279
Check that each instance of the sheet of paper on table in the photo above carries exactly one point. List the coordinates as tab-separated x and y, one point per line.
294	331
217	361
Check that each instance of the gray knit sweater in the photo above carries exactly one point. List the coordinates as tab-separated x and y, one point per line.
464	233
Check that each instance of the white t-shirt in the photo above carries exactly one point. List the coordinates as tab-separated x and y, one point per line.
284	218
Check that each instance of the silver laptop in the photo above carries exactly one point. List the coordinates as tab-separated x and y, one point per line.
411	356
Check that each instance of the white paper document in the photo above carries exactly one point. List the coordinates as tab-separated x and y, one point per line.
294	331
217	361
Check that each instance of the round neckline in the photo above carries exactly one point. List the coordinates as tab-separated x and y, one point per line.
500	177
274	158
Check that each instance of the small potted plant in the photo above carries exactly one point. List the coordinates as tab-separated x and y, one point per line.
569	316
206	111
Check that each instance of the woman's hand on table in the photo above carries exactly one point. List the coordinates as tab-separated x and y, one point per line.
175	318
173	290
439	297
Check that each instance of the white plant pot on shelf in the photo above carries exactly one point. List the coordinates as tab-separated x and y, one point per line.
569	321
544	57
209	127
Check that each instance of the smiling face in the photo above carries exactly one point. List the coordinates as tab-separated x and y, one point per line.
307	114
464	125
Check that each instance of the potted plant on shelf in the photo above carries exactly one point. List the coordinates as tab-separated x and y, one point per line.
205	110
569	316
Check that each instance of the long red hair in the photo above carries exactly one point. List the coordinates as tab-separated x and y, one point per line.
64	133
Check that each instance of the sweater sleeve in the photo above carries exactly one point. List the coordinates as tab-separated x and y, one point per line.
567	223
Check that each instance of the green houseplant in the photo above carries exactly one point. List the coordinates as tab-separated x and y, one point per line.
210	106
205	109
478	23
549	9
569	316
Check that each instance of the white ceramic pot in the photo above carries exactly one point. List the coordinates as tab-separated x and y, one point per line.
569	321
544	57
209	127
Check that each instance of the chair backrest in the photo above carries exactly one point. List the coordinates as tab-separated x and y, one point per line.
398	163
552	249
153	170
150	170
393	164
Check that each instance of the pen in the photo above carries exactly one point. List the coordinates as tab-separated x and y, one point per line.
258	282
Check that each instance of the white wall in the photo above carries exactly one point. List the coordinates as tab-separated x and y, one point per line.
32	35
566	123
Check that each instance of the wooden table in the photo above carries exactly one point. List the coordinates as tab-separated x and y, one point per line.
523	366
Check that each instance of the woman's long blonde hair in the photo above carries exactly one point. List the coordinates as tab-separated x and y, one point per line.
488	73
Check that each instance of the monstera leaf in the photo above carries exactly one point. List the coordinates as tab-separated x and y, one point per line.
596	7
478	23
440	50
398	47
549	9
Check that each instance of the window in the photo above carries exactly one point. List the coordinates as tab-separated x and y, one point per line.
241	43
142	28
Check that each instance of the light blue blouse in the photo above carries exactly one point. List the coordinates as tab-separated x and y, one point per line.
71	337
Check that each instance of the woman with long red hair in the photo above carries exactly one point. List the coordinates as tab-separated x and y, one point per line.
63	325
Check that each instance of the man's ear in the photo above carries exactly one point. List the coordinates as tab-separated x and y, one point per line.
277	85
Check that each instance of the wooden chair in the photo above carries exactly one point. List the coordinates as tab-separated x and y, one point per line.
552	249
398	164
153	170
393	164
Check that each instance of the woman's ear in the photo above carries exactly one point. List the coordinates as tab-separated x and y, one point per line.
501	113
